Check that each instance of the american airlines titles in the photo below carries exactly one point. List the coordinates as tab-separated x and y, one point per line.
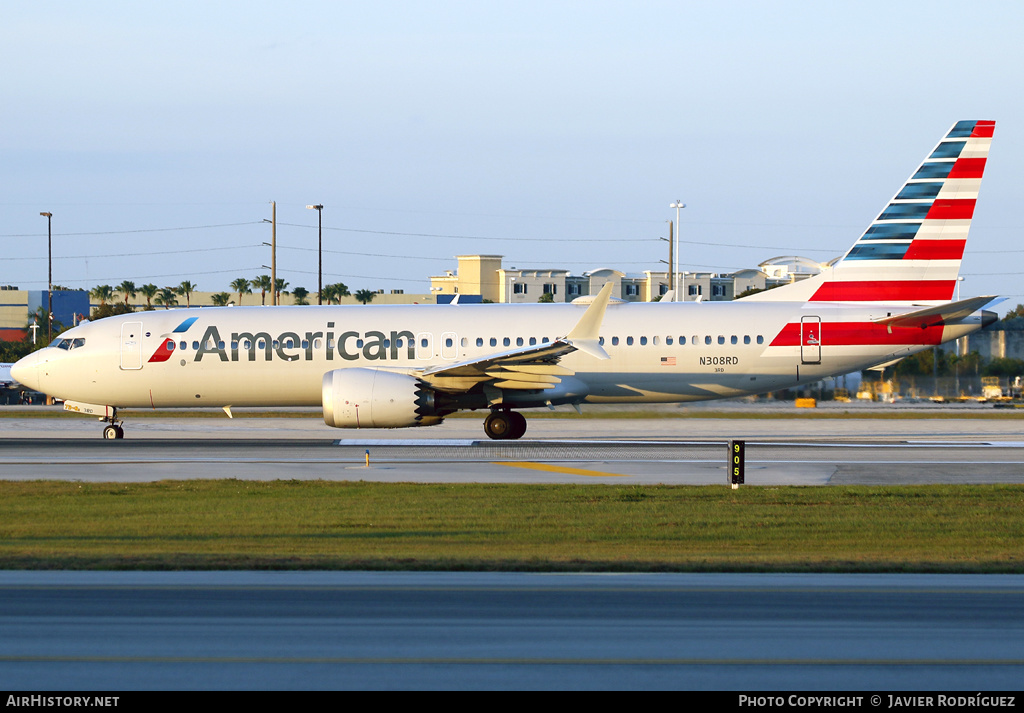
289	346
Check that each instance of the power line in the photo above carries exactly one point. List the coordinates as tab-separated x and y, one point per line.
137	230
145	254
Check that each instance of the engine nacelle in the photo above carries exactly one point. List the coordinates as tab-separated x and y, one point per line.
374	398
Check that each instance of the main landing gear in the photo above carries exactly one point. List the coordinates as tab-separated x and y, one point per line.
114	430
502	425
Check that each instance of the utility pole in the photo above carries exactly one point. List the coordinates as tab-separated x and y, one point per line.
273	253
671	263
49	280
319	208
675	267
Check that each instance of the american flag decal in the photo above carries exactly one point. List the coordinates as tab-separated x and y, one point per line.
668	361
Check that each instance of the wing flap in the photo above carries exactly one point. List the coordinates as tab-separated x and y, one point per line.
530	367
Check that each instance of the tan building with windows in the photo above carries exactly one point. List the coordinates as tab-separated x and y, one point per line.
483	275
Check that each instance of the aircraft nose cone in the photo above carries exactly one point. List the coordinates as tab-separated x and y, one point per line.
26	371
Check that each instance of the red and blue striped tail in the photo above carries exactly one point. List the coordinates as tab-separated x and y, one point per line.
912	251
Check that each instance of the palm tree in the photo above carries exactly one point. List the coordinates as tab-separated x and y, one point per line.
185	289
166	297
262	283
335	292
220	299
128	289
242	287
300	294
281	284
149	292
102	293
365	296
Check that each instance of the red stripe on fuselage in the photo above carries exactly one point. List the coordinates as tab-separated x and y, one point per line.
884	291
935	250
838	334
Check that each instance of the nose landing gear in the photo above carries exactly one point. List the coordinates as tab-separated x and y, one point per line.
115	430
502	425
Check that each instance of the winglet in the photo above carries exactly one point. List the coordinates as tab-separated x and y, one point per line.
585	335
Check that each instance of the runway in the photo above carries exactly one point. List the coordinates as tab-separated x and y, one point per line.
821	461
302	630
424	631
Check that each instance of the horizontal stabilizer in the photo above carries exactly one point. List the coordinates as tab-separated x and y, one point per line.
948	313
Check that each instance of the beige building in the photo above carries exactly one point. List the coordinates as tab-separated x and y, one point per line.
483	275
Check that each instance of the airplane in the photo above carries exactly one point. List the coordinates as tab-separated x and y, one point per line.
6	380
396	366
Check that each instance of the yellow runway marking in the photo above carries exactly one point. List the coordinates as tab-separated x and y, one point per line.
562	469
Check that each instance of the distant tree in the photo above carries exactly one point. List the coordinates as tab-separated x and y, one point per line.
262	283
128	289
102	293
1017	311
281	284
185	289
40	317
220	299
166	297
110	310
923	364
300	294
966	364
547	298
334	293
365	296
242	287
149	291
1003	366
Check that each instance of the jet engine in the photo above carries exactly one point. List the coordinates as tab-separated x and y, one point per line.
374	398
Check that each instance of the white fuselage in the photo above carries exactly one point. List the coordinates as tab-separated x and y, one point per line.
277	356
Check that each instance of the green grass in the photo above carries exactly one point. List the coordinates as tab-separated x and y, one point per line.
233	524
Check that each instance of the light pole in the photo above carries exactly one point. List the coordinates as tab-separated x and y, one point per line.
675	268
49	279
319	253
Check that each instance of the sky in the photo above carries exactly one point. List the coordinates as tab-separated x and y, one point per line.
553	133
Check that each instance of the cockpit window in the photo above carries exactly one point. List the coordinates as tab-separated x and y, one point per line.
62	343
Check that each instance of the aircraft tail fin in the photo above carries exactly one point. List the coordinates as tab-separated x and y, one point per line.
911	252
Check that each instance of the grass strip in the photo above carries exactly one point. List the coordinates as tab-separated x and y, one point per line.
234	524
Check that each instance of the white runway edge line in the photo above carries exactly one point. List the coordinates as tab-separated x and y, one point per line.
471	443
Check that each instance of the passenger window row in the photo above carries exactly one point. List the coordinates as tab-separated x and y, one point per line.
449	342
681	340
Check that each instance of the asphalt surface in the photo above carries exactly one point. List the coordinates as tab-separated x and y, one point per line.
118	631
777	459
257	631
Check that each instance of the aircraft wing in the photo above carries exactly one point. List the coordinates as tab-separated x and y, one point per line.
948	313
528	367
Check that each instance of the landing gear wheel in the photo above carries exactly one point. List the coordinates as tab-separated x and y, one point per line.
113	431
504	425
518	425
498	425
